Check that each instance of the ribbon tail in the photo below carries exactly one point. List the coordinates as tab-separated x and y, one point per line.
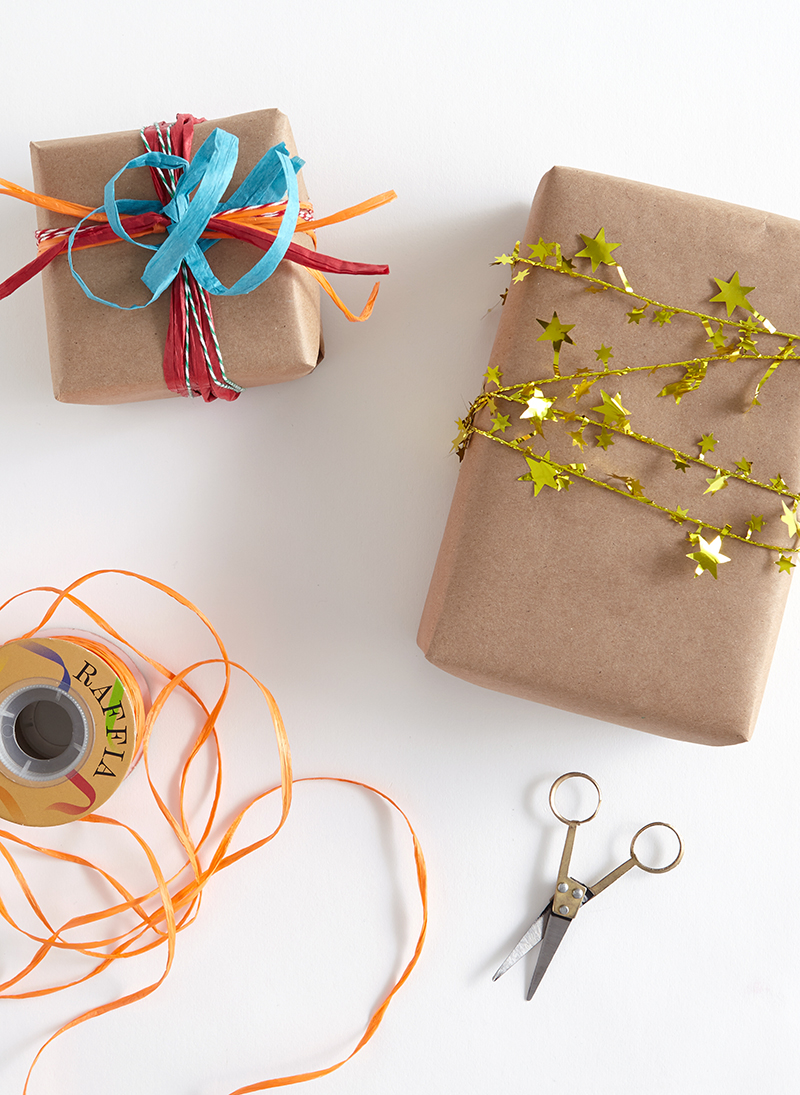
13	283
301	255
201	382
313	261
328	264
207	373
326	285
192	360
174	368
352	211
69	209
209	381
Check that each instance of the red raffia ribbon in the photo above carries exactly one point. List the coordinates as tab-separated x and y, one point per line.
197	369
173	903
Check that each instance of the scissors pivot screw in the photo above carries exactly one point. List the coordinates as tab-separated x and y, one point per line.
563	887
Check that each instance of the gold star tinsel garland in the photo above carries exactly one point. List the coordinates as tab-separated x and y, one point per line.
730	339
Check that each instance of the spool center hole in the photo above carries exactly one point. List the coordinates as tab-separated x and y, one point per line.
43	730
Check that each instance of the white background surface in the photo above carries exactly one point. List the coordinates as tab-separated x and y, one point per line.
305	519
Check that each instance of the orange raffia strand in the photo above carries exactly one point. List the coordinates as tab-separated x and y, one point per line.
69	209
352	211
380	1011
255	216
337	300
164	922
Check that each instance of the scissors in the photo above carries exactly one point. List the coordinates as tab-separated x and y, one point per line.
551	927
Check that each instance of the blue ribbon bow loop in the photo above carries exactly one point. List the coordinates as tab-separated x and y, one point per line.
198	198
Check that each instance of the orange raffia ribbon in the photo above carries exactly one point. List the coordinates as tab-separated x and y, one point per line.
265	220
171	905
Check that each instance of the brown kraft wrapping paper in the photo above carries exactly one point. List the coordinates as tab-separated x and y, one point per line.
582	599
100	354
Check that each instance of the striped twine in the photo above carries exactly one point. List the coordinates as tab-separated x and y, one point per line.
169	178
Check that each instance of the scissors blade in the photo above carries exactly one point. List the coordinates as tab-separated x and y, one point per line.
529	940
555	928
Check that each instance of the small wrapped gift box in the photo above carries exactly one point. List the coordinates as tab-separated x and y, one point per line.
594	512
100	354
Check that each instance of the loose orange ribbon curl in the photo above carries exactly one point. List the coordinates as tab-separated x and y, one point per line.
178	903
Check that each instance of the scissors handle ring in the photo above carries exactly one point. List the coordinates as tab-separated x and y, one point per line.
575	821
669	866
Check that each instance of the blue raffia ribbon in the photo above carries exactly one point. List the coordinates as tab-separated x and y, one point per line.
195	201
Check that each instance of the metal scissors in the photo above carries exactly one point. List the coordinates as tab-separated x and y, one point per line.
551	927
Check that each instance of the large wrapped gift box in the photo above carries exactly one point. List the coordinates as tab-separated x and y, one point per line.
582	598
100	354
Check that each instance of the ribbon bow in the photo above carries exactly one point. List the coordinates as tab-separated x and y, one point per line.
265	210
194	201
